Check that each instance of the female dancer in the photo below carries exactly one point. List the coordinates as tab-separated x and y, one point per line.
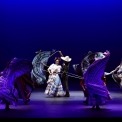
54	87
97	90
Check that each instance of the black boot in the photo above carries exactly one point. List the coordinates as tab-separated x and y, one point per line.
67	94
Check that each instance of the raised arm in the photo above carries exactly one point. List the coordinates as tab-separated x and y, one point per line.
106	73
61	54
115	69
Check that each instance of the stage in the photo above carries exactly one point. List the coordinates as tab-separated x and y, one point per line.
41	106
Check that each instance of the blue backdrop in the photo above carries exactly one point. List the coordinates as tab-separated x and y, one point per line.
72	26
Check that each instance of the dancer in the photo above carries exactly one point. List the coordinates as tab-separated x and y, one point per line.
98	92
80	69
64	77
7	96
117	74
24	86
77	68
11	89
54	87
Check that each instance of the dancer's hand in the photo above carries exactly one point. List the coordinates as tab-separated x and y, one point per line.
60	53
106	73
107	52
50	72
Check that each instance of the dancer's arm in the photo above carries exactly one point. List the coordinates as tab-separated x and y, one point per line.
61	53
106	73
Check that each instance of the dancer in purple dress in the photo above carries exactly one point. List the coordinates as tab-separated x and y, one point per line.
15	82
97	90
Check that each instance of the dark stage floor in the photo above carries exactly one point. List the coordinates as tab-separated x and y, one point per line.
42	107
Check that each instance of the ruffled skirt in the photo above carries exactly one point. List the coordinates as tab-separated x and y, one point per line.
54	86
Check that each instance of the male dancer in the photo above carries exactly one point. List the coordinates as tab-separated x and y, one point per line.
65	68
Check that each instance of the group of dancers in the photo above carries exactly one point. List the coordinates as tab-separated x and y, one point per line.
18	79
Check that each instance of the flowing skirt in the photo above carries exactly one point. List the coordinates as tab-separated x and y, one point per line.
98	95
6	94
54	86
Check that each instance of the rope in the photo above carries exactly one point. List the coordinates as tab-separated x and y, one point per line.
75	76
68	74
53	53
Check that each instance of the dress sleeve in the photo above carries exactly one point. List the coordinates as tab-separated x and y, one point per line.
50	67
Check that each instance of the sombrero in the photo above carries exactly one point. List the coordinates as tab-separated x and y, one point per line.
66	58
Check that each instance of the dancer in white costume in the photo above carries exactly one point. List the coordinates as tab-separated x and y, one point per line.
54	86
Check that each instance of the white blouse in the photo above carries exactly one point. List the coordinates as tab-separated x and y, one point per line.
55	68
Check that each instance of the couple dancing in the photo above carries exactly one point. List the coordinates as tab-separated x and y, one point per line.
58	79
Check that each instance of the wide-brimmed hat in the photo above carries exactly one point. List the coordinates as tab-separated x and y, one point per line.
66	58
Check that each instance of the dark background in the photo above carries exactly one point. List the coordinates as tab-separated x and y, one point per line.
72	26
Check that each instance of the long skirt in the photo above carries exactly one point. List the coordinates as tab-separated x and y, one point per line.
6	94
54	86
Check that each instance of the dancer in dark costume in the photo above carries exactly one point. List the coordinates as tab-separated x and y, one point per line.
80	69
77	69
24	86
65	69
15	70
98	93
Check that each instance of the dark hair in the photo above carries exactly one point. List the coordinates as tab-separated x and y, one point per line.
57	58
